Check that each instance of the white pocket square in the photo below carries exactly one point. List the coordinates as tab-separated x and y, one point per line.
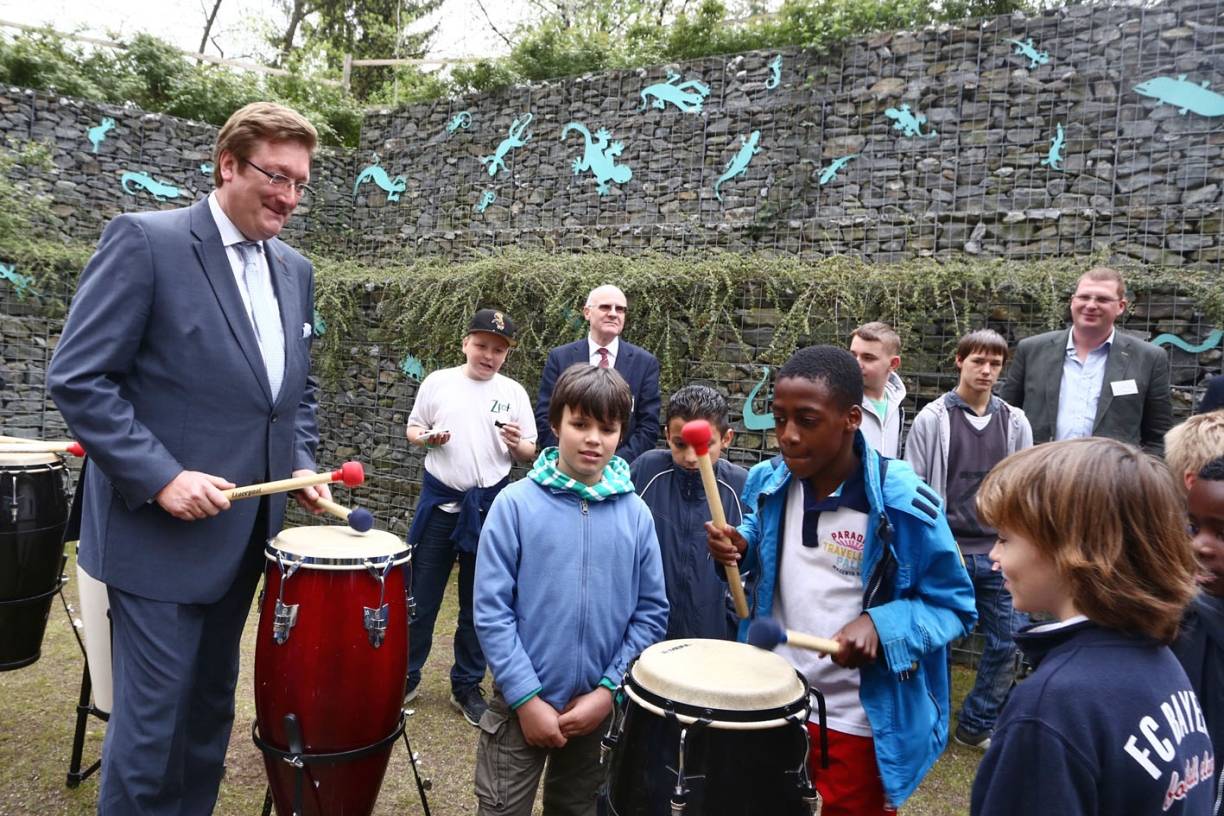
307	330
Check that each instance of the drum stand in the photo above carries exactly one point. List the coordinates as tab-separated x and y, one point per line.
84	708
299	759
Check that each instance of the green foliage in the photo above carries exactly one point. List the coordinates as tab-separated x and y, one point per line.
154	76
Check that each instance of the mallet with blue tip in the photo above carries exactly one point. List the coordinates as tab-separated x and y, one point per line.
358	518
768	633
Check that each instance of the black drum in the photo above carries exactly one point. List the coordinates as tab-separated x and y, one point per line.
709	728
33	513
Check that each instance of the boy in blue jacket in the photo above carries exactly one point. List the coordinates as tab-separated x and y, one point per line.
569	588
670	484
852	546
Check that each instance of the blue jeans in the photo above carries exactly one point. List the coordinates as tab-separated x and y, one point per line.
998	622
432	559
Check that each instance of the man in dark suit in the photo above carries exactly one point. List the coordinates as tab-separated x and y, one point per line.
1091	380
184	369
605	310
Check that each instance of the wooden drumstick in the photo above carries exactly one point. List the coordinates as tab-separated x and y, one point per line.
357	518
351	473
39	446
698	434
768	633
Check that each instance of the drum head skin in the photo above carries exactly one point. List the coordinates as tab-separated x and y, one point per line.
28	459
719	675
336	547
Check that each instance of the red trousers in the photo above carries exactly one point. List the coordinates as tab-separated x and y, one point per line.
851	784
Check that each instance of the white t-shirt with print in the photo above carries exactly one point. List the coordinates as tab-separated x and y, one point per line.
820	590
476	455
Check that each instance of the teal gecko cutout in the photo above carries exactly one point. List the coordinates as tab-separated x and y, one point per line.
320	325
206	168
159	190
910	124
462	119
98	133
687	96
1054	158
752	420
599	157
21	283
575	320
775	72
485	200
829	173
514	138
1183	95
412	368
1026	48
1173	340
739	162
392	186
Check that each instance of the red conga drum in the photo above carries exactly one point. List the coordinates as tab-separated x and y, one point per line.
331	663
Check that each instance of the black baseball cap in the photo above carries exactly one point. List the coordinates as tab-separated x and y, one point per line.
493	321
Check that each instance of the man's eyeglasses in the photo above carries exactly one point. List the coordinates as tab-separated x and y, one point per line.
612	308
282	182
1099	300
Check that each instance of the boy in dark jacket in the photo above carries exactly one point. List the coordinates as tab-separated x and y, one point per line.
670	484
1092	532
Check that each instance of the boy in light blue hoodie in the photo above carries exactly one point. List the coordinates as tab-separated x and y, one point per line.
569	588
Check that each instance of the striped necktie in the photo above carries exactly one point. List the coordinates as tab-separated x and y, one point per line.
264	315
603	357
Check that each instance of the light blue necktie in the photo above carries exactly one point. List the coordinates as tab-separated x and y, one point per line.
264	315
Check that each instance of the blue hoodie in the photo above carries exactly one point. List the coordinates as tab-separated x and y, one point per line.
567	591
917	593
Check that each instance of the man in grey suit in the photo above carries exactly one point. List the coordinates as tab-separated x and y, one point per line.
1092	380
184	369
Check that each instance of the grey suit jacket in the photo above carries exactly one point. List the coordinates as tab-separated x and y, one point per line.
1035	377
158	371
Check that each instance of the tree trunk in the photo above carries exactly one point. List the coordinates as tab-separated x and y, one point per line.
296	15
212	18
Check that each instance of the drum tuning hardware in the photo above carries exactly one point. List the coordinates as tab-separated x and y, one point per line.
375	619
814	802
284	616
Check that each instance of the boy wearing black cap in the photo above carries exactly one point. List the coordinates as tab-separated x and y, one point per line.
474	423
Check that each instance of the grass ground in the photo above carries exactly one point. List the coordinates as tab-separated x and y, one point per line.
37	717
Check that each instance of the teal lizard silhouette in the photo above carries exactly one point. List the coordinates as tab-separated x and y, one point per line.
1054	157
413	368
157	189
1183	95
1035	57
206	168
320	325
21	283
462	119
830	172
1173	340
98	133
775	72
599	157
392	186
485	200
752	420
910	124
739	162
687	96
514	138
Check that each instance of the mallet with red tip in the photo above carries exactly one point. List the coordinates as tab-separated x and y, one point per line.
768	633
358	518
39	446
698	434
350	473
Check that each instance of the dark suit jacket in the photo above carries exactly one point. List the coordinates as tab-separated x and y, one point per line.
158	371
1213	397
1035	376
639	368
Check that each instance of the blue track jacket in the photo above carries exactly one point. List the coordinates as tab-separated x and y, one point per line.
567	591
917	593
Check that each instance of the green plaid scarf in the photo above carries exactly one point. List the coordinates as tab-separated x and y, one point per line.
615	477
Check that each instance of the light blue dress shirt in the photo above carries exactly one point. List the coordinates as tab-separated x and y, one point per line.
1080	390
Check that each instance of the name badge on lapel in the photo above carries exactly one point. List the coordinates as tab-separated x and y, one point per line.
1123	388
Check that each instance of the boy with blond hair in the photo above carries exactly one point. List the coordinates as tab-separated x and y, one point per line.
877	348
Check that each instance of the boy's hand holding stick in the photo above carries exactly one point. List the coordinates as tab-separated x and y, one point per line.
698	435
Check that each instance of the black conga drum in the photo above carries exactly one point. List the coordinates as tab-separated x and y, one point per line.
33	513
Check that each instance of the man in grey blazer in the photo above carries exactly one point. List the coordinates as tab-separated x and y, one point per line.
184	369
1092	380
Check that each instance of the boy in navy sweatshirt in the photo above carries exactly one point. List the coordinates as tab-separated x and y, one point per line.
1092	532
670	484
569	588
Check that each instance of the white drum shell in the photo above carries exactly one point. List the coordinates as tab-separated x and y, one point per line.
95	614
